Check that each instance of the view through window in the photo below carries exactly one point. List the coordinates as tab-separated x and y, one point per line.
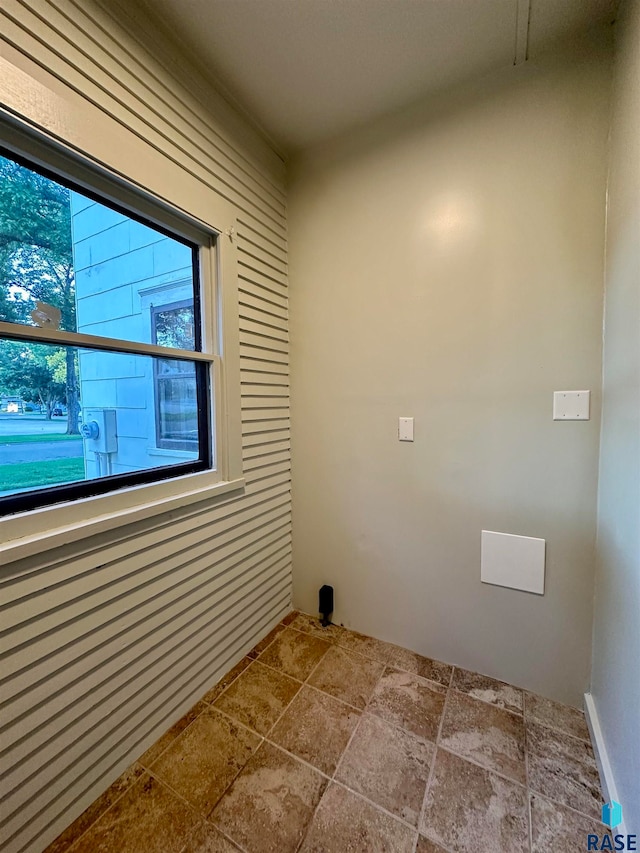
95	303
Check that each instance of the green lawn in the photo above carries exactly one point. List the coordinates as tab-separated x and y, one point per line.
27	439
29	475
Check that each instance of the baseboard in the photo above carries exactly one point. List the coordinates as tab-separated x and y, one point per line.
607	781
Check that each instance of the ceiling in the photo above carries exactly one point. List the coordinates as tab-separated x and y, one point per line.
308	70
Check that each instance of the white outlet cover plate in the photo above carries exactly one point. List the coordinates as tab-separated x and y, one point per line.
513	561
571	405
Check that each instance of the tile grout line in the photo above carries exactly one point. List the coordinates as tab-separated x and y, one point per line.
288	705
518	714
179	796
362	713
331	696
386	662
376	806
265	738
547	725
299	759
564	805
330	778
318	634
476	763
357	726
117	799
272	668
172	741
561	731
319	661
207	823
526	771
304	633
568	808
228	838
359	794
204	818
433	763
194	808
344	751
326	777
175	793
398	727
533	791
307	682
281	672
147	768
362	654
242	725
233	681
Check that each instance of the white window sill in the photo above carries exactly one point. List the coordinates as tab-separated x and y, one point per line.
31	533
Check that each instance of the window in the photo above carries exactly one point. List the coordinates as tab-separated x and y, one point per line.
94	397
175	381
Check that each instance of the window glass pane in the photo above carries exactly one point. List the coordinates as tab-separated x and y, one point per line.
127	413
173	326
93	268
177	419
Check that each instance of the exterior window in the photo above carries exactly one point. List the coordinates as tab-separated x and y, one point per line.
175	381
93	396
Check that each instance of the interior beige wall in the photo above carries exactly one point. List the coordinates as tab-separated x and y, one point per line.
616	641
446	264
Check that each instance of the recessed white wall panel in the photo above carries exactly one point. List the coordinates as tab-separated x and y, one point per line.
513	561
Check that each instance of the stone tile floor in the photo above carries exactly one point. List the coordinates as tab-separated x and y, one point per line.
322	739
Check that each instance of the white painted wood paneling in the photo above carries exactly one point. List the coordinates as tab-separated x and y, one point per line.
106	642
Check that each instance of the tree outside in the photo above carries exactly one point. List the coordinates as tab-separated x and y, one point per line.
35	372
36	265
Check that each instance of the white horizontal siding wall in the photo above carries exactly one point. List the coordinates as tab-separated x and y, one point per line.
107	642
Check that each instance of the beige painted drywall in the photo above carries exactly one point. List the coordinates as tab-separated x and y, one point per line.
616	640
446	264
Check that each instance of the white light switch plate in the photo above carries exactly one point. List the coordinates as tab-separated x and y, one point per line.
571	405
405	429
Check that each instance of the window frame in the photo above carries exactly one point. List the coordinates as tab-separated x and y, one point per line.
31	531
